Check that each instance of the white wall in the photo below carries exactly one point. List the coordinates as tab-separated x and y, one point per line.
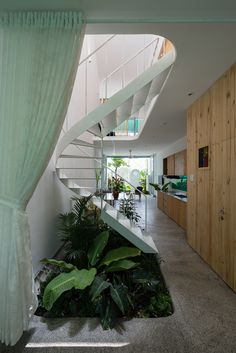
175	147
49	199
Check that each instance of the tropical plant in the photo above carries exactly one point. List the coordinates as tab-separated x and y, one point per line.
78	229
127	207
160	187
115	260
110	279
117	163
116	183
143	180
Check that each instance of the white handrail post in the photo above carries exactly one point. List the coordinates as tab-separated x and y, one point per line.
102	174
145	228
86	88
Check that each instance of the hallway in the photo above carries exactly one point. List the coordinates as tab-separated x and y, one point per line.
204	320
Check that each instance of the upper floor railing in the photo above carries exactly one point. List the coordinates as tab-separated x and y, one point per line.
100	76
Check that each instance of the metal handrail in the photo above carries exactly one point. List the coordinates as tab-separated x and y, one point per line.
105	166
130	59
98	48
102	166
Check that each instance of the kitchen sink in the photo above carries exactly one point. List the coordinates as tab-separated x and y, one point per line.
182	196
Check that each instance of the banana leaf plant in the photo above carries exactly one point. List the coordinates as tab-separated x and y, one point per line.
96	276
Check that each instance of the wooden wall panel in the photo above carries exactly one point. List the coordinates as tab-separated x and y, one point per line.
211	205
191	172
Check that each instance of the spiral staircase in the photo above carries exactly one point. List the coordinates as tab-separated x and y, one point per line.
80	157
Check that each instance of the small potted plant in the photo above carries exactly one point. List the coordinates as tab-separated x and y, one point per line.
117	186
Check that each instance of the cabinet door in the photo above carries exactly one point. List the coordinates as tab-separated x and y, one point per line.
160	200
180	163
171	165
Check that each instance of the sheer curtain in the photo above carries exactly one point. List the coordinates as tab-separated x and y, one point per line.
39	53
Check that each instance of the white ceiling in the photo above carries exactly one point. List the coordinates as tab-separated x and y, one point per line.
148	10
204	41
204	52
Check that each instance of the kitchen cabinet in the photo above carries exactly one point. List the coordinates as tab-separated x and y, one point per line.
211	190
160	200
175	164
171	165
180	163
173	208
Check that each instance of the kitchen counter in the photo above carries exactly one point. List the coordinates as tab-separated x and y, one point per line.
176	195
174	205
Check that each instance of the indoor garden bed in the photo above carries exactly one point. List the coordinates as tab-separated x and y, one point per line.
101	274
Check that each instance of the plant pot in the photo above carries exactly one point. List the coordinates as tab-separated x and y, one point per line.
115	194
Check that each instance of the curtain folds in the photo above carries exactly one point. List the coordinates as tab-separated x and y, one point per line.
39	54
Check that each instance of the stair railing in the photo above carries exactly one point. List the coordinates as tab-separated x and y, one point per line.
88	65
133	189
104	186
148	59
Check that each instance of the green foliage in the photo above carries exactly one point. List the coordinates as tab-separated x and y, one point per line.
78	229
143	179
98	286
159	305
119	293
78	279
58	263
180	185
118	254
121	265
127	207
97	247
160	187
118	286
117	163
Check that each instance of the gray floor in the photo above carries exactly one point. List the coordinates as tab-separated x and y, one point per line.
204	320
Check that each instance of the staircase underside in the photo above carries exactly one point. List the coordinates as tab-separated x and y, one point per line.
105	118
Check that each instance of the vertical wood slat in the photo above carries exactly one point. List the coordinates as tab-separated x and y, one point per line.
211	220
191	173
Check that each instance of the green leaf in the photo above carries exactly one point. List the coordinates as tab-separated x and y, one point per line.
108	311
118	254
121	265
97	247
78	279
58	263
119	295
98	286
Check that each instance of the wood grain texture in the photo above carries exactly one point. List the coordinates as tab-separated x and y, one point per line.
211	226
171	165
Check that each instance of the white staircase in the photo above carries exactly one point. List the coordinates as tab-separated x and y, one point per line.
78	157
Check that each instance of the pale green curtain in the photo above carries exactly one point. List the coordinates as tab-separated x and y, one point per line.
39	53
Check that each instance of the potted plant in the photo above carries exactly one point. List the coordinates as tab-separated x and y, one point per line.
117	185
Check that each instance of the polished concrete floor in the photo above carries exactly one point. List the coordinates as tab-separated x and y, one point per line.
204	320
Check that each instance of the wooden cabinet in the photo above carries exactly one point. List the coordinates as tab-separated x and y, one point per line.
171	165
180	163
173	208
160	200
175	164
211	191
